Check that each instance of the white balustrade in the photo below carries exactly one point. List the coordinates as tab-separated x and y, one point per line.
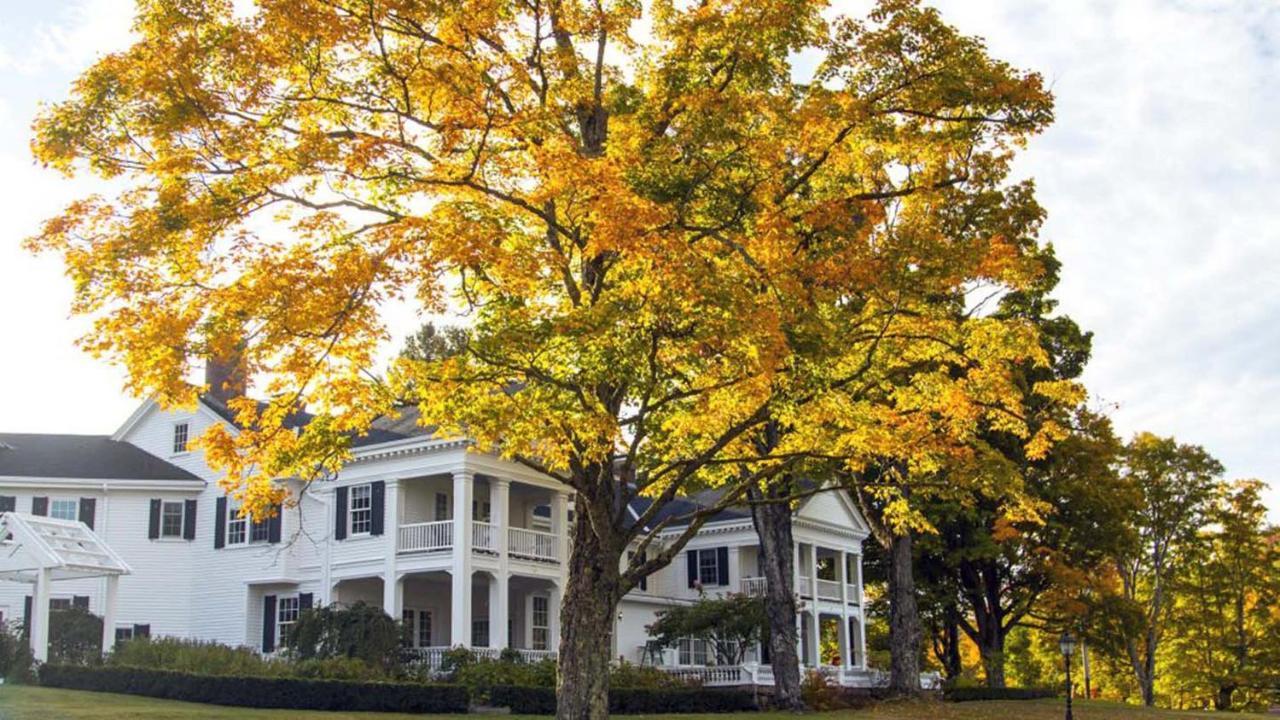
829	590
710	676
806	586
754	586
532	544
484	537
426	537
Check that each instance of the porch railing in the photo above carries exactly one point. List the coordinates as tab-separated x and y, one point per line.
484	537
426	537
754	586
532	544
432	657
711	675
829	590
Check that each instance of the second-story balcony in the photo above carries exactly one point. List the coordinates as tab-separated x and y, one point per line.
828	590
437	536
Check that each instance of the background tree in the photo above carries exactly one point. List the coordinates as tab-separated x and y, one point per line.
731	625
1224	599
1176	484
618	219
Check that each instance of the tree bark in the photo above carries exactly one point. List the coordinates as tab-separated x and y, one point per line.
1222	700
773	527
904	620
586	623
948	647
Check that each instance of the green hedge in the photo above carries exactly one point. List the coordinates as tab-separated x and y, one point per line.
260	692
629	701
970	694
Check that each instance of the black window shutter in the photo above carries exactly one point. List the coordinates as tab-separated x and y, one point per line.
88	506
268	623
274	525
188	519
644	581
305	601
377	514
340	514
722	564
220	522
8	503
39	506
153	527
26	616
140	631
80	602
691	558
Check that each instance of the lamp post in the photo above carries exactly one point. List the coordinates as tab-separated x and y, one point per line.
1067	645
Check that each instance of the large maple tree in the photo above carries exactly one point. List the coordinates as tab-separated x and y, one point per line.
660	235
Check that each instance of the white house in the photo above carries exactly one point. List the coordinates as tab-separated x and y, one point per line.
466	547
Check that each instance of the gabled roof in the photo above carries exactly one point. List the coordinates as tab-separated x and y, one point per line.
81	456
66	547
680	510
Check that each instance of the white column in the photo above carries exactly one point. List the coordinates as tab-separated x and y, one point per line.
460	626
862	614
735	570
499	596
845	644
40	615
560	526
553	610
815	629
392	597
109	613
500	500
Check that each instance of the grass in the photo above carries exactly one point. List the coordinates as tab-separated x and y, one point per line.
34	703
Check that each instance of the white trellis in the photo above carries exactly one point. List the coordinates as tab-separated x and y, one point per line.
43	550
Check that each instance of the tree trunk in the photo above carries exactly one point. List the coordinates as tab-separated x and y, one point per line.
948	644
586	624
1222	700
904	620
773	527
993	662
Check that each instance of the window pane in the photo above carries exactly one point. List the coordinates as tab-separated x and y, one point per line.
180	432
286	616
236	529
171	519
360	510
424	628
64	509
708	568
260	532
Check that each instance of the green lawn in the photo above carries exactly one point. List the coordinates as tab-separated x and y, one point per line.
31	703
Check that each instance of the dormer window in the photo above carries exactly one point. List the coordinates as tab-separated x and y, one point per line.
181	433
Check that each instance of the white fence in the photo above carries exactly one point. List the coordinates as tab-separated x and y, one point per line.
532	544
426	537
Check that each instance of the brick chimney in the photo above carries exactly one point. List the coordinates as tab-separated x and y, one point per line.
226	374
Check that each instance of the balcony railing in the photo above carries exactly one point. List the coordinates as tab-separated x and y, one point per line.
754	586
829	590
426	537
532	544
484	537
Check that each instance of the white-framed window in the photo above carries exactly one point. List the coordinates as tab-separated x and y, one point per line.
124	633
708	567
287	609
241	531
481	511
418	626
60	603
541	622
171	519
181	434
64	509
443	509
360	510
693	651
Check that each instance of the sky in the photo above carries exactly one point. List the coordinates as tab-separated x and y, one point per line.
1161	176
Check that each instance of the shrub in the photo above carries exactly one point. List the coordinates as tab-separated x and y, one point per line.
455	659
481	676
631	701
631	676
969	694
75	637
359	631
340	668
261	692
193	656
16	661
819	693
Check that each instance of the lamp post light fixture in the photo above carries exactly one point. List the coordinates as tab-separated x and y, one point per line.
1067	645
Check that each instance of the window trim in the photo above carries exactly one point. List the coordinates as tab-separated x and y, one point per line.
183	428
534	627
416	617
182	519
247	530
367	511
714	567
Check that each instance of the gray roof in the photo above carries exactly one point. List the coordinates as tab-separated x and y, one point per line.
384	429
680	508
82	456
